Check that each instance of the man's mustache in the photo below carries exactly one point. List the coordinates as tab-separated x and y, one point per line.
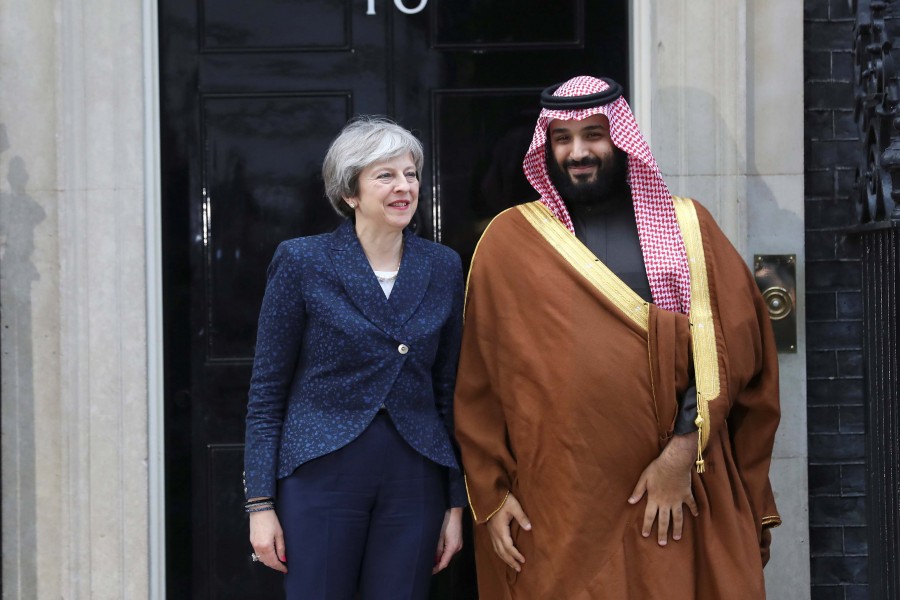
588	161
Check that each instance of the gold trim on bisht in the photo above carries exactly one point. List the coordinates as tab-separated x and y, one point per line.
584	261
771	522
703	333
472	504
465	302
472	261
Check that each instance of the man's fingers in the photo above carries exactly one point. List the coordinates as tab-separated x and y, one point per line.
514	552
507	551
505	556
666	515
512	557
519	515
639	490
662	530
692	505
649	518
678	516
509	548
765	546
514	511
677	522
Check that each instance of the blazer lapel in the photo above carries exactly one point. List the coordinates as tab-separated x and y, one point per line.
359	281
413	280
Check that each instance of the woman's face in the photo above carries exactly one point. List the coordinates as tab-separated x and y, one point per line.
388	194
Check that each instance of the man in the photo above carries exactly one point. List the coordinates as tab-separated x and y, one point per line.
613	341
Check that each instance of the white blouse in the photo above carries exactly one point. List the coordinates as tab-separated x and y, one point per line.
386	279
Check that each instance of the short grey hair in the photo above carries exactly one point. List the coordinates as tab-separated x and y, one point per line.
363	141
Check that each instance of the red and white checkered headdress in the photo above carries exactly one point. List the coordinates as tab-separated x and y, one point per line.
661	242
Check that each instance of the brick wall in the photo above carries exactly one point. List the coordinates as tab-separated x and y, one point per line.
834	310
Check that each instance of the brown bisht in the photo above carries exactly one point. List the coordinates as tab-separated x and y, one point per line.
567	390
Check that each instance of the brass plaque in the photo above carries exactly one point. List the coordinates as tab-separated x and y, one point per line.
776	277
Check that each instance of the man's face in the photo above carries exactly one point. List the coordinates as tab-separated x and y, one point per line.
585	166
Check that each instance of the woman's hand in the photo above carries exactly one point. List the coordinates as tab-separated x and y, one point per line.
267	539
450	541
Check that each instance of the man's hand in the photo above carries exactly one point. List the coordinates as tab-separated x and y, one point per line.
667	483
450	541
267	539
501	538
765	546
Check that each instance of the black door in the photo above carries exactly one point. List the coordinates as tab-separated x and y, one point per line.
252	92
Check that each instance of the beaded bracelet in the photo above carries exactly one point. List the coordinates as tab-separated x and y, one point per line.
259	504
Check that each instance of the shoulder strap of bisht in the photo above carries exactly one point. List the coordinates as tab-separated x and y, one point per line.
661	241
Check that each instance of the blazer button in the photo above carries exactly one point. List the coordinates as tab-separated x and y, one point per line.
402	348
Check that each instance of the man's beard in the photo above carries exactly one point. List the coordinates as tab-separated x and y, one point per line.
610	181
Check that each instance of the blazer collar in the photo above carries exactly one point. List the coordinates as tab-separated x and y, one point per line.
363	288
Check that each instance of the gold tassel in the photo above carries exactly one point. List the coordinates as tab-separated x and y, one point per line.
701	464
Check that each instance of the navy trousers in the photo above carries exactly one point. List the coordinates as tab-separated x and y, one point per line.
364	518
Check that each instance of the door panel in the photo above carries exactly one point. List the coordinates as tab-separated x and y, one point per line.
252	94
474	186
261	159
238	25
507	24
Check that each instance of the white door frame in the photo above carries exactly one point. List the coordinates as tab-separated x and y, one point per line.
153	240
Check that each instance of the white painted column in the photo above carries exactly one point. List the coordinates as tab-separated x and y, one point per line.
699	104
75	453
775	225
29	302
725	79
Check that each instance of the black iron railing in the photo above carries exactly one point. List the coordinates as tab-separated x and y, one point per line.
877	200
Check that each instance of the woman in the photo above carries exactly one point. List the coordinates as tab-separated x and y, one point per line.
350	464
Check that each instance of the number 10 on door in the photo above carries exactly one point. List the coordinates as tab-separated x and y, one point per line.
370	7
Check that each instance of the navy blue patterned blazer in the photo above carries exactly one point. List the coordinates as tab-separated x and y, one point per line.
331	349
